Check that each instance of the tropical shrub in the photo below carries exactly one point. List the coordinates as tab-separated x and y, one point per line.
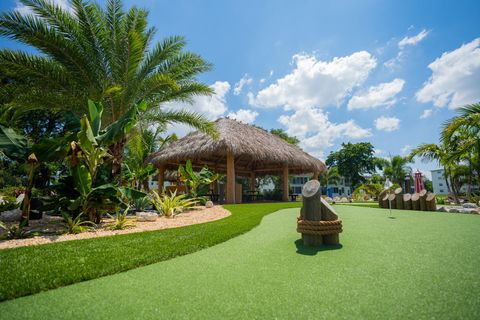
8	203
173	204
14	231
120	220
142	203
78	224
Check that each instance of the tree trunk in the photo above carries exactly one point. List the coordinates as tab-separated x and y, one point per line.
385	201
416	201
380	198
116	150
431	202
311	211
399	198
407	201
423	200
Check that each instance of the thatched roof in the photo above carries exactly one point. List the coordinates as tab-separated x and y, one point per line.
254	149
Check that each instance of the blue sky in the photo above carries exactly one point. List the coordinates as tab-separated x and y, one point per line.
387	72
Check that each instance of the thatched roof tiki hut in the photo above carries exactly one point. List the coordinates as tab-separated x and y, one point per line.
239	150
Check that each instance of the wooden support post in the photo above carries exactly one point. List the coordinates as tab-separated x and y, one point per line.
311	211
253	182
431	202
407	201
423	200
230	197
285	183
380	198
415	201
161	179
315	175
398	198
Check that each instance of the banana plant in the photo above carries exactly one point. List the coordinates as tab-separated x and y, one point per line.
196	180
88	154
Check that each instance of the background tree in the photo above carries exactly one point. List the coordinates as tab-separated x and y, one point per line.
396	169
103	54
353	161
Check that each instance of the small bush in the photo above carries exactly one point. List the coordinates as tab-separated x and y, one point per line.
171	205
121	221
77	225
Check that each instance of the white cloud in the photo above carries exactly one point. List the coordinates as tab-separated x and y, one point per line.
316	132
211	107
245	80
262	80
455	78
411	41
316	83
426	113
244	115
24	10
406	149
381	95
387	123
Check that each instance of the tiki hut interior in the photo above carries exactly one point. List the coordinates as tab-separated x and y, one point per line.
240	150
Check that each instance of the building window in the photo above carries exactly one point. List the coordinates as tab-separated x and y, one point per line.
441	190
440	184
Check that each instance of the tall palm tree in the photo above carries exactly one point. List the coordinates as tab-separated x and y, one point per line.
104	54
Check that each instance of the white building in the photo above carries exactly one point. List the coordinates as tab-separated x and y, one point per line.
343	188
440	184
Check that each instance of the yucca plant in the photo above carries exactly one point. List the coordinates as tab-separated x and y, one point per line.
173	204
120	220
78	224
14	231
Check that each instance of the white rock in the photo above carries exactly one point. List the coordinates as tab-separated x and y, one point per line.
146	216
11	215
209	204
453	210
442	209
329	199
469	205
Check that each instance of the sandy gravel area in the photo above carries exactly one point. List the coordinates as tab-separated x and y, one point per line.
55	224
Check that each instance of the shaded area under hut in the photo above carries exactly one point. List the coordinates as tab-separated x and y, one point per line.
241	150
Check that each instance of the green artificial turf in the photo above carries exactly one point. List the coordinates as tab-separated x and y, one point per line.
29	270
413	265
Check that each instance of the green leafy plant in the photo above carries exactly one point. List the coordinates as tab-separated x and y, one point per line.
196	182
78	224
120	220
14	231
173	204
142	203
8	203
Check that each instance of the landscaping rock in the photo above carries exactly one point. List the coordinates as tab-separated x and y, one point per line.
442	209
329	200
146	216
469	205
453	210
11	215
209	204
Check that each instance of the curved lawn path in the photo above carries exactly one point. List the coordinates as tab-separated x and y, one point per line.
418	265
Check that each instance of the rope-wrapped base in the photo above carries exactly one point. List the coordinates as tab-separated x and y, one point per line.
319	232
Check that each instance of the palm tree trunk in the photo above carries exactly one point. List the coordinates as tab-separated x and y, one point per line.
117	150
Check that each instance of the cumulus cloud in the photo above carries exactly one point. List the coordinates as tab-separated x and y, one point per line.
245	80
411	41
316	83
455	78
211	107
244	115
317	132
376	96
426	113
387	123
24	10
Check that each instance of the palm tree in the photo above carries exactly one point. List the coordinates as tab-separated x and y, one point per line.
463	131
331	176
102	54
441	154
396	169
